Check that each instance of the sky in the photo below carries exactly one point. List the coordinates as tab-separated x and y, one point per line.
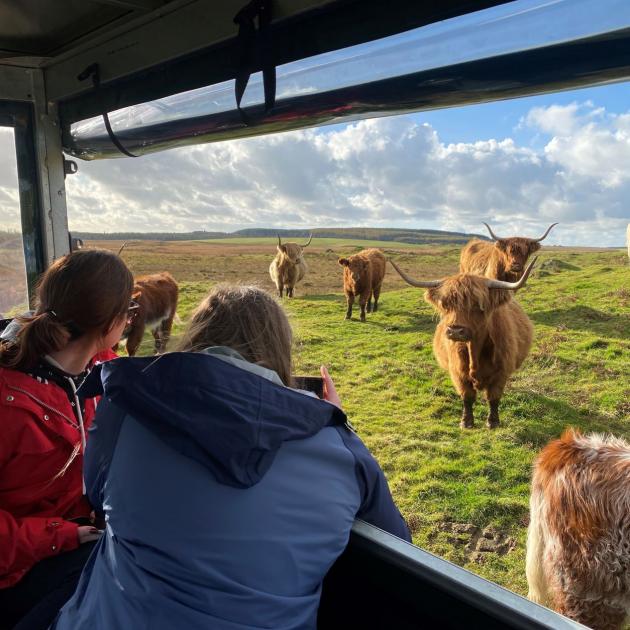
518	165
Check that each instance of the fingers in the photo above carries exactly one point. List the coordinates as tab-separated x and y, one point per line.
87	533
330	392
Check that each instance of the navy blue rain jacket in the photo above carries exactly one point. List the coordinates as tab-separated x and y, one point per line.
227	498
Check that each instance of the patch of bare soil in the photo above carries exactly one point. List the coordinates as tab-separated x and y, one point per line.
477	542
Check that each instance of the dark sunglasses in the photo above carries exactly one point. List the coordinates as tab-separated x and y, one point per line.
132	310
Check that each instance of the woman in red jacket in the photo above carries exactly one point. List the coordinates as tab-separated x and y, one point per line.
46	534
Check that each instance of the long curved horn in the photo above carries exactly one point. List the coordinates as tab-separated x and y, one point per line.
279	241
309	240
492	234
511	286
423	284
123	247
544	236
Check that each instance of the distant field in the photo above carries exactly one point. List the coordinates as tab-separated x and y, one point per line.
247	260
316	242
13	296
464	494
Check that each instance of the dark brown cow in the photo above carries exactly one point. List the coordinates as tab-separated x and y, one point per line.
288	267
578	541
504	259
482	338
156	296
363	275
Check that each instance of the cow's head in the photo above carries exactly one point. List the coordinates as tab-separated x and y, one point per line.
516	249
357	267
464	301
292	251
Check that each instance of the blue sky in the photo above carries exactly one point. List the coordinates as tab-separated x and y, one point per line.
501	119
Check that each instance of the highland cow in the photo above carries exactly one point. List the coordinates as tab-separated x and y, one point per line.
482	338
578	542
288	267
156	296
504	259
363	276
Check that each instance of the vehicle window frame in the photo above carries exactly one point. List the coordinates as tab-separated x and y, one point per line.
20	116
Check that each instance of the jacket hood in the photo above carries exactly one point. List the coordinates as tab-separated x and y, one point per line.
228	419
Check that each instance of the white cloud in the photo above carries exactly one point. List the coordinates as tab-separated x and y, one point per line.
380	172
555	119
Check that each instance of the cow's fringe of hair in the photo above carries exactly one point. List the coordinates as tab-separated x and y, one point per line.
466	292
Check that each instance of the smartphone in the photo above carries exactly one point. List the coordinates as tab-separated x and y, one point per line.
313	384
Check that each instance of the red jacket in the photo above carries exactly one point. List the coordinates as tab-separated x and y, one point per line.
41	469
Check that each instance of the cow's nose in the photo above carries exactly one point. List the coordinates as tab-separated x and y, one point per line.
458	333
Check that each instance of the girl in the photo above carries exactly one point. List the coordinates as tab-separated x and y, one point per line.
227	494
45	531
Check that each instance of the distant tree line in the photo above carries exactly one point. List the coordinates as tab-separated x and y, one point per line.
373	234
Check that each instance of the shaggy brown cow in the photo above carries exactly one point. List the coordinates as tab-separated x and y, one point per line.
504	259
578	542
156	296
363	275
482	338
288	267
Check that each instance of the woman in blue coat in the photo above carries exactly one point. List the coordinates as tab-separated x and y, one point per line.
227	494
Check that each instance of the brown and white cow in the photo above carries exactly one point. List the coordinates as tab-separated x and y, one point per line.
363	275
578	542
156	295
482	338
504	259
288	267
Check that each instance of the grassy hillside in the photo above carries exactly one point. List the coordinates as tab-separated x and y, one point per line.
464	493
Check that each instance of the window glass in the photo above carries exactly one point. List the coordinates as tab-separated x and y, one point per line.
13	291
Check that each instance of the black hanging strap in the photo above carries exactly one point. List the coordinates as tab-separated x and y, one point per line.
255	46
94	72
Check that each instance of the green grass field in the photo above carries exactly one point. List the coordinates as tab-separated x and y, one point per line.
463	493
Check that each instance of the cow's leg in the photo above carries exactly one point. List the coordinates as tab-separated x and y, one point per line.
493	395
135	338
363	301
493	414
163	334
468	418
369	303
362	304
290	292
350	301
468	394
377	294
280	288
157	337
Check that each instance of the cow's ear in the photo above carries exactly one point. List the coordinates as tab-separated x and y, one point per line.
282	248
502	244
432	296
344	262
534	246
136	294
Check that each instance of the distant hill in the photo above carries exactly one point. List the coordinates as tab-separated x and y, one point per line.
416	237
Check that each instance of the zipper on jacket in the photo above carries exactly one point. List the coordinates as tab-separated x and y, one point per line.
43	404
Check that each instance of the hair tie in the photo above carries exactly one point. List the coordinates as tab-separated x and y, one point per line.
51	312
